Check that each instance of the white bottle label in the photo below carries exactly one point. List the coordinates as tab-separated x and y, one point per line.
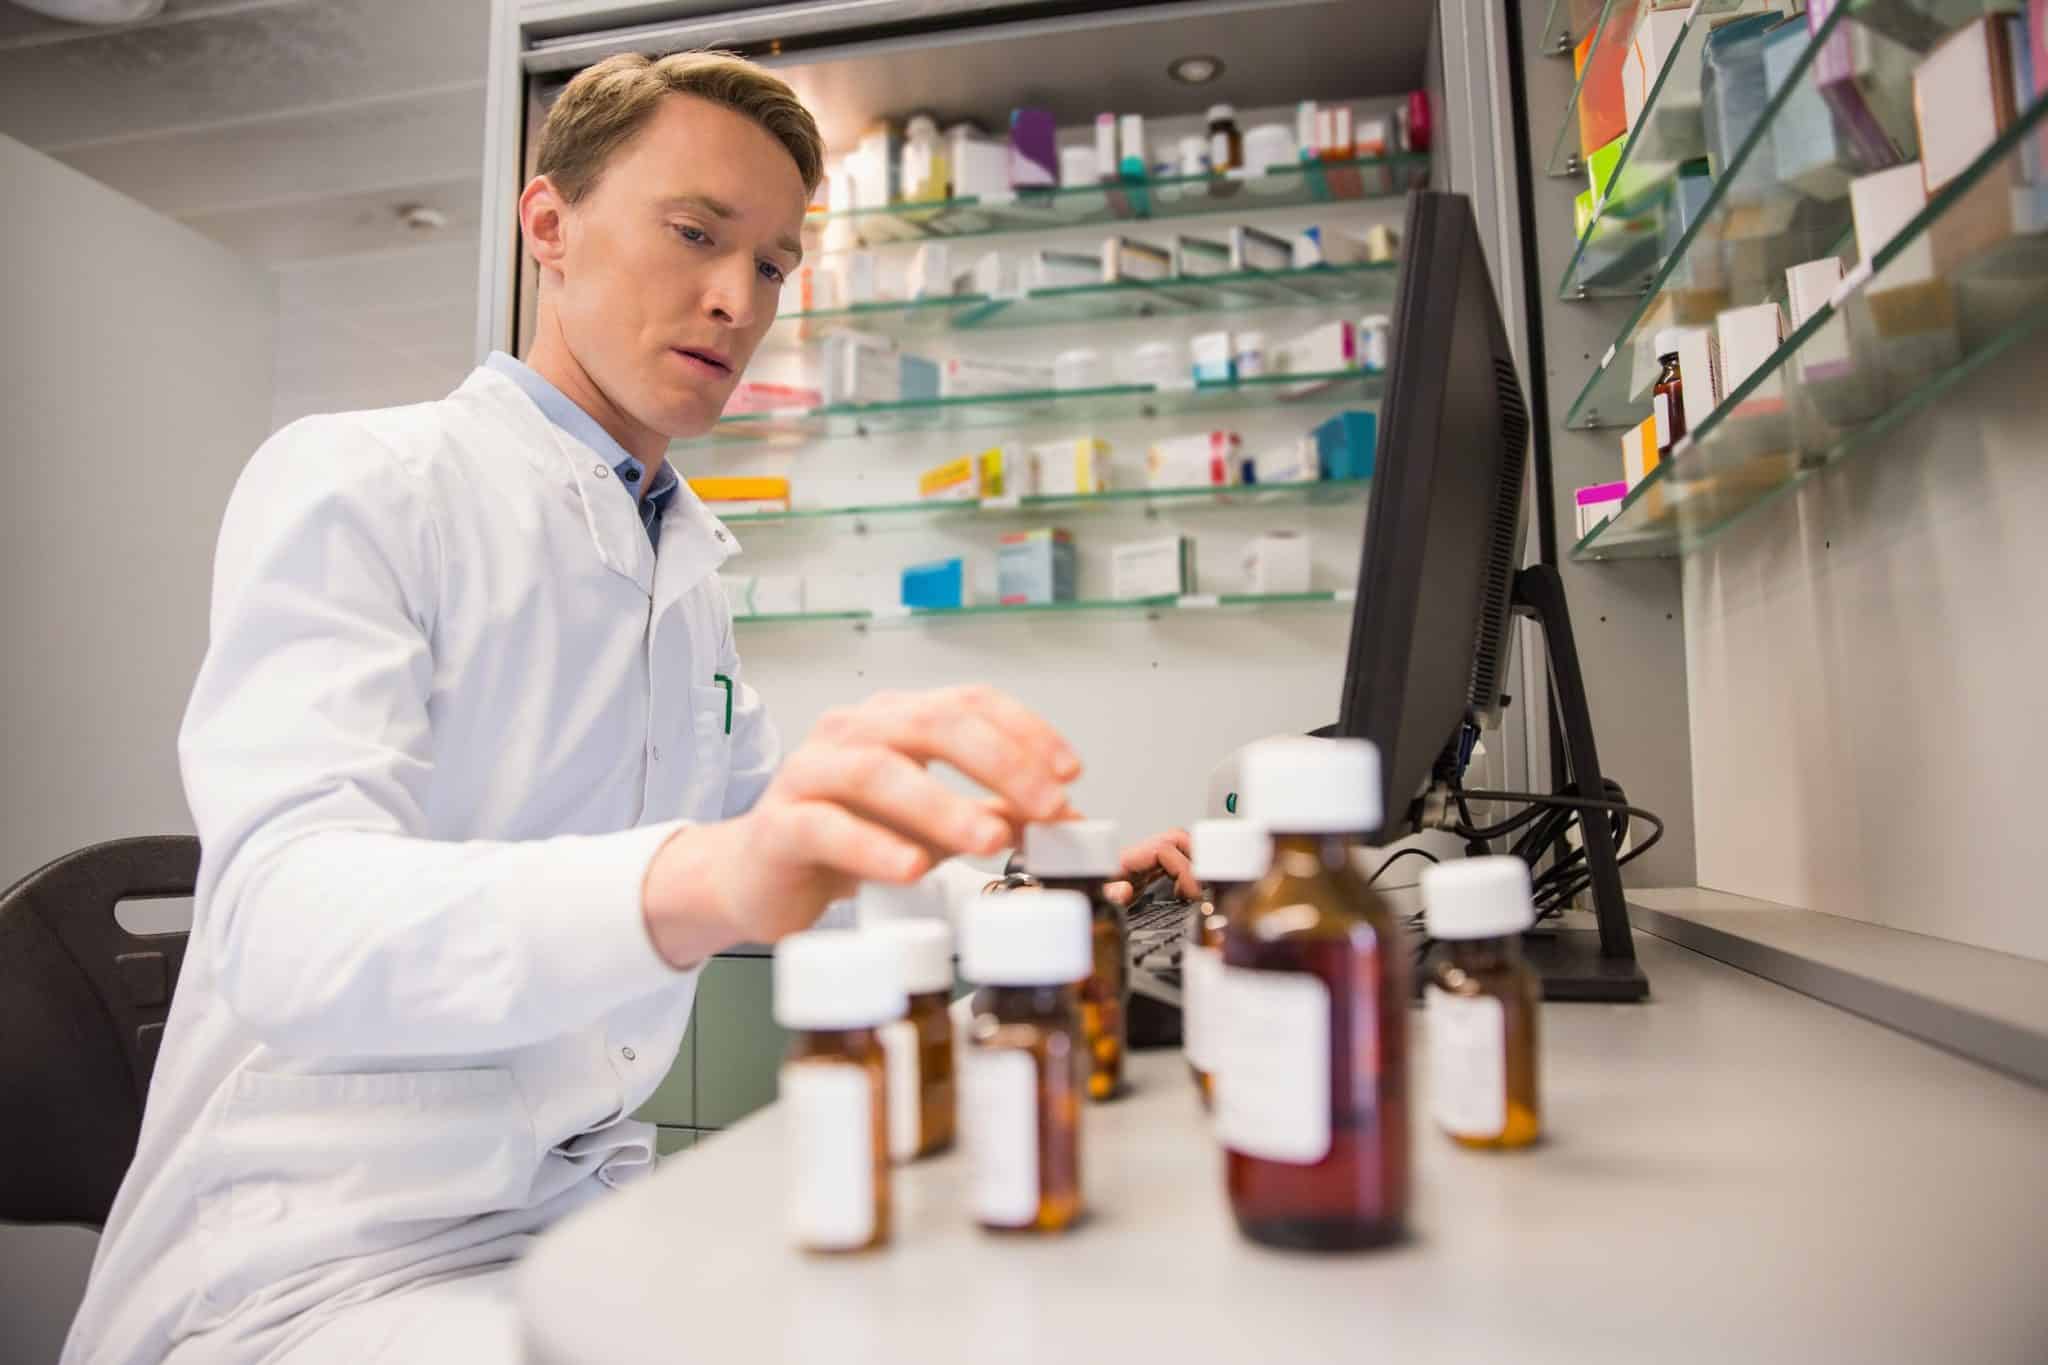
1272	1042
831	1148
999	1119
1661	405
906	1109
1199	969
1219	152
1468	1063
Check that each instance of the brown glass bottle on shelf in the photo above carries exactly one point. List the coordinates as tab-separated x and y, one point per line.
917	1049
833	991
1482	1003
1228	856
1021	1073
1311	1081
1081	855
1667	398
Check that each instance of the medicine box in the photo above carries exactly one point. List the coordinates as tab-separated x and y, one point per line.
980	165
1344	445
1251	249
1699	366
1866	81
967	479
1124	258
1321	245
1034	149
1071	468
1331	346
1214	356
931	272
1597	502
1748	337
1061	270
1804	136
1193	461
1295	461
917	379
858	367
940	583
743	494
1196	256
1161	567
1841	390
1035	567
1676	132
1277	562
964	378
1603	115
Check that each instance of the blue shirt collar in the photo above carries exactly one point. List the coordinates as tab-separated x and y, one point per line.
558	408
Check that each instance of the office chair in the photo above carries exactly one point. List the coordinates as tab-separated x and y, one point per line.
82	1009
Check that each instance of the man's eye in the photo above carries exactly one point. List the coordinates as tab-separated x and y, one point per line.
771	272
691	234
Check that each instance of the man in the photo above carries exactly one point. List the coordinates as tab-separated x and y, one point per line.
480	781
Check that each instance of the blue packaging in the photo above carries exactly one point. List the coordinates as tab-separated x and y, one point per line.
1345	443
941	583
920	378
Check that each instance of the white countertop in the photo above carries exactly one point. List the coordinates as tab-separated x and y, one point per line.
1734	1172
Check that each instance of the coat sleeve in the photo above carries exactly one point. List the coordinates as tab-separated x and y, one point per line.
331	923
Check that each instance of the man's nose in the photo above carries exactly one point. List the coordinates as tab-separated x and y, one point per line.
729	294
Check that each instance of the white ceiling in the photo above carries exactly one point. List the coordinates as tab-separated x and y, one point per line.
291	131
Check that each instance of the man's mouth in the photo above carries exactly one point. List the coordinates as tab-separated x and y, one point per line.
711	362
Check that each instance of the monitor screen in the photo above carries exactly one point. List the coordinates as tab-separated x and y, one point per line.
1429	631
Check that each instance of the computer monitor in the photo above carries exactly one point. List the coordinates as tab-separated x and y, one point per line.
1441	579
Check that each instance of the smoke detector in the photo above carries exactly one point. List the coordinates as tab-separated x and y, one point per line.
96	11
420	218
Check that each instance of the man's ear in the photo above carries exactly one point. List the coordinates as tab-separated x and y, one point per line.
543	221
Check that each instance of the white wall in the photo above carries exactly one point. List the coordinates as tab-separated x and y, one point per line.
1864	661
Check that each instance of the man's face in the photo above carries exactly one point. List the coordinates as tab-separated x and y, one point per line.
673	262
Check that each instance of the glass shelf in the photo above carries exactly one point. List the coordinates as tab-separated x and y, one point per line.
1360	285
1119	402
1883	350
1151	607
1614	23
1331	492
1299	185
1564	23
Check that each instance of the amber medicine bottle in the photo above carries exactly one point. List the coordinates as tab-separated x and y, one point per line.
1081	855
917	1050
834	990
1667	398
1482	1003
1311	1081
1021	1074
1228	856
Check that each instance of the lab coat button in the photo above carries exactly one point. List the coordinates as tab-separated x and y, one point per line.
628	1053
600	471
657	753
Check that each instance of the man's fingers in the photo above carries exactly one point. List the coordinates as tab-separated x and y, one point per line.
1027	727
896	792
1182	868
827	835
964	727
1118	893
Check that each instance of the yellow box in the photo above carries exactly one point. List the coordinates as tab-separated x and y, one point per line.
741	490
953	479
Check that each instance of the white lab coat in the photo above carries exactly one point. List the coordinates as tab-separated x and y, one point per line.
452	703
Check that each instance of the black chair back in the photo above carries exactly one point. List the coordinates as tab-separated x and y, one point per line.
82	1010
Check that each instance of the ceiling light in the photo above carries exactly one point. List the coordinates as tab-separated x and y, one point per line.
1199	70
420	218
96	11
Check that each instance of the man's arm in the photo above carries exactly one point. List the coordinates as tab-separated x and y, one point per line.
330	923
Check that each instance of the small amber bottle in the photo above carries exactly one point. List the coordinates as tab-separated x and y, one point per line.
1311	1083
1667	398
918	1048
1081	855
1482	1003
1021	1075
1228	856
834	990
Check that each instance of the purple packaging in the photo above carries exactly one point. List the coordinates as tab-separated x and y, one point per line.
1034	149
1861	130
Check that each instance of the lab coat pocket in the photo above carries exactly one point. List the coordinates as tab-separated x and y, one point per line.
320	1167
710	752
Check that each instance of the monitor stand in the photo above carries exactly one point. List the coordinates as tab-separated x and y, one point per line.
1579	964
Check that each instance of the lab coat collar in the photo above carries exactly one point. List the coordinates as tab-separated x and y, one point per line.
693	542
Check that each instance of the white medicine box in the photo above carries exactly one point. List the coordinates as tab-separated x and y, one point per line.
1277	562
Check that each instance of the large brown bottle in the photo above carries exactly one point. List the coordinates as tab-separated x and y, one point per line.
1482	1002
1311	1082
1081	855
1228	857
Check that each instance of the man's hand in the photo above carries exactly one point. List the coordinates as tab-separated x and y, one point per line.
1163	853
856	803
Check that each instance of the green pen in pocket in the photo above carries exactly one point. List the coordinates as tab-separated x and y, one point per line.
726	683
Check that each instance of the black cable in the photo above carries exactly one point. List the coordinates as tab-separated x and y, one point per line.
1396	856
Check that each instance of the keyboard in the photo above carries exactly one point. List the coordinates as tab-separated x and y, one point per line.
1156	932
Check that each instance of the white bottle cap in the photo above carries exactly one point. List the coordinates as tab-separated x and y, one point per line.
833	978
1220	112
881	903
1026	938
1477	898
1071	848
1230	850
923	949
1313	786
921	126
1666	341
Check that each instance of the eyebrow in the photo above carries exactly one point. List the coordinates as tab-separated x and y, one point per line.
718	208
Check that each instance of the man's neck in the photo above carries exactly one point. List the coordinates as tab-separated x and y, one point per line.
551	359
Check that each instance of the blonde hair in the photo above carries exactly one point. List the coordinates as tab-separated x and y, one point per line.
605	105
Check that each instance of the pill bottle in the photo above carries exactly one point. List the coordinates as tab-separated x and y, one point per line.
1022	1070
1667	401
1132	162
1228	856
1251	354
1481	1001
834	989
917	1050
1311	1073
1226	142
1107	165
1081	855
